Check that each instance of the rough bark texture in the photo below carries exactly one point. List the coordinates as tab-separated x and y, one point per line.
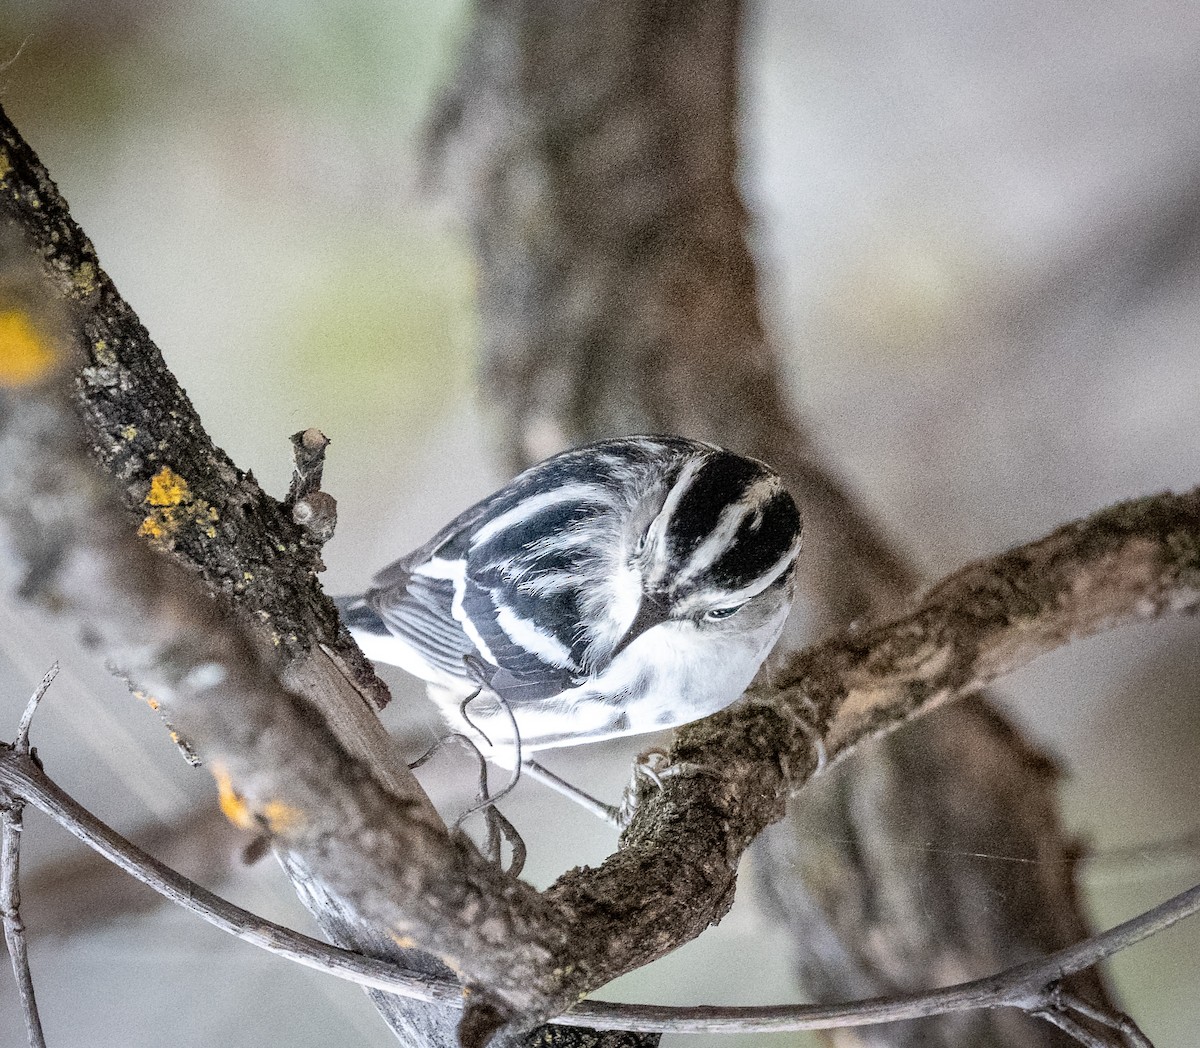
359	836
596	144
195	506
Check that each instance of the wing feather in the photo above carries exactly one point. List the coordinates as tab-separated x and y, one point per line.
522	561
418	610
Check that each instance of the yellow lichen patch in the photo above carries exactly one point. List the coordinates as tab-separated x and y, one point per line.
84	279
233	805
280	817
171	506
152	528
149	700
5	164
167	488
25	354
129	432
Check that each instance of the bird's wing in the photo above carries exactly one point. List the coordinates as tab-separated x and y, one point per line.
530	664
502	582
418	610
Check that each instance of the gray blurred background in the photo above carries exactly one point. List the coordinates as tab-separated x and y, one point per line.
978	228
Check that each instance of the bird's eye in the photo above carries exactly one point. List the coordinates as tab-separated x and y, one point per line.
721	613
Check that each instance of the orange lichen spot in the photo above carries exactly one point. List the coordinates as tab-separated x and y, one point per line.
152	528
405	942
149	700
172	506
280	817
25	354
167	488
233	805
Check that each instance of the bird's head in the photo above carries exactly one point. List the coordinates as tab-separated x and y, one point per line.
715	545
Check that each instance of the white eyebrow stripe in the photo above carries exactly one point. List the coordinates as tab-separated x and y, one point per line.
535	504
732	516
716	542
657	529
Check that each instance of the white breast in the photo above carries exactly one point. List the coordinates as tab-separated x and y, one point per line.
671	675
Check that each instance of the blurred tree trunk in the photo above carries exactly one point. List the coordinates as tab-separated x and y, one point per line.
596	148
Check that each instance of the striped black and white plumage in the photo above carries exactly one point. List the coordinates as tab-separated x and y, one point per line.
618	588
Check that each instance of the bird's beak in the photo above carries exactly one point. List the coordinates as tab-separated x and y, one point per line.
650	613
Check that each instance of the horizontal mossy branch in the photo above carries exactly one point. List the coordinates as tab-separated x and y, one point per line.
677	870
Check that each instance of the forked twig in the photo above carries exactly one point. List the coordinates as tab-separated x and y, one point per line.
1062	1002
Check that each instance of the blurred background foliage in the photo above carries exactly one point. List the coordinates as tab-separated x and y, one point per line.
979	234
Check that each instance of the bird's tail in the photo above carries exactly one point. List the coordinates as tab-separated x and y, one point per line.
359	616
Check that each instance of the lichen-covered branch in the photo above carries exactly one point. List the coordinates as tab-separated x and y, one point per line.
188	498
280	768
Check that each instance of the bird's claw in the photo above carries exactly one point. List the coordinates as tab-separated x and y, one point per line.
653	766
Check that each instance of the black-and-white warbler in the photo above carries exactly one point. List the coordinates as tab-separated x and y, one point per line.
619	588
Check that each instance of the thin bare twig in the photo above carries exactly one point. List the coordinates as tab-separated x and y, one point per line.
1032	987
11	823
1064	1001
12	811
1074	1029
21	744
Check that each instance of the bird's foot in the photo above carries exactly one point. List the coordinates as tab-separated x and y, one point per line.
653	766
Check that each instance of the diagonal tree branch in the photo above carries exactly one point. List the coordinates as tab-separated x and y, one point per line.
244	546
281	769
